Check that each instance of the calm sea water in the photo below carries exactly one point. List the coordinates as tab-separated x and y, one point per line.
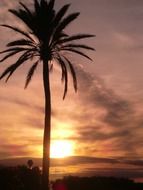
90	170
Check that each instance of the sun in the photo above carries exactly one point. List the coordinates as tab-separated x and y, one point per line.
61	149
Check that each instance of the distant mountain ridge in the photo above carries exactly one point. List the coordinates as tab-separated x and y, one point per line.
72	160
86	166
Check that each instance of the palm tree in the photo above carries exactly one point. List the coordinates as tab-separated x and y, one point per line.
44	41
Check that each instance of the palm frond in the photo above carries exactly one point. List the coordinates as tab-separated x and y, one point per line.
61	41
48	26
51	67
73	73
9	55
75	37
26	8
23	59
9	70
30	73
36	6
51	4
23	16
17	30
76	51
64	23
21	42
43	4
13	51
64	75
78	46
46	9
60	14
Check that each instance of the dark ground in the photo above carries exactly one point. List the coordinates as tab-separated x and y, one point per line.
24	178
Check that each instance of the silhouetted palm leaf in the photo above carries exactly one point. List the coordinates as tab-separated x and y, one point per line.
9	55
36	6
78	46
64	23
64	75
50	5
14	51
9	70
30	73
71	38
45	41
75	51
17	30
72	73
21	42
60	14
26	9
52	34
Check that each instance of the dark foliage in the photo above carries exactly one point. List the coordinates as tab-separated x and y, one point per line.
20	178
96	183
23	178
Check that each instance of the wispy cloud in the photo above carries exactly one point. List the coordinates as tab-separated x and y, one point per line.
105	116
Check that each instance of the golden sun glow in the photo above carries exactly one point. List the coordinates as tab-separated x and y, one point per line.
61	149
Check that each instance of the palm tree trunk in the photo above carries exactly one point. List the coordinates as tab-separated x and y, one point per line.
47	127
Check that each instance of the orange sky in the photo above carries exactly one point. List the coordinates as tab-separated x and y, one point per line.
104	119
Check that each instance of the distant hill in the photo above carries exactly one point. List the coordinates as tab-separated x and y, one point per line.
19	161
73	160
86	166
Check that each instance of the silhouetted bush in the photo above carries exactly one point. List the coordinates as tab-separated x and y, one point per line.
96	183
20	178
24	178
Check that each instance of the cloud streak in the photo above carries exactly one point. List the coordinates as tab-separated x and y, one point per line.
105	116
117	120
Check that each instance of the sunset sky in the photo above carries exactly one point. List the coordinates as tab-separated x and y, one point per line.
104	118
